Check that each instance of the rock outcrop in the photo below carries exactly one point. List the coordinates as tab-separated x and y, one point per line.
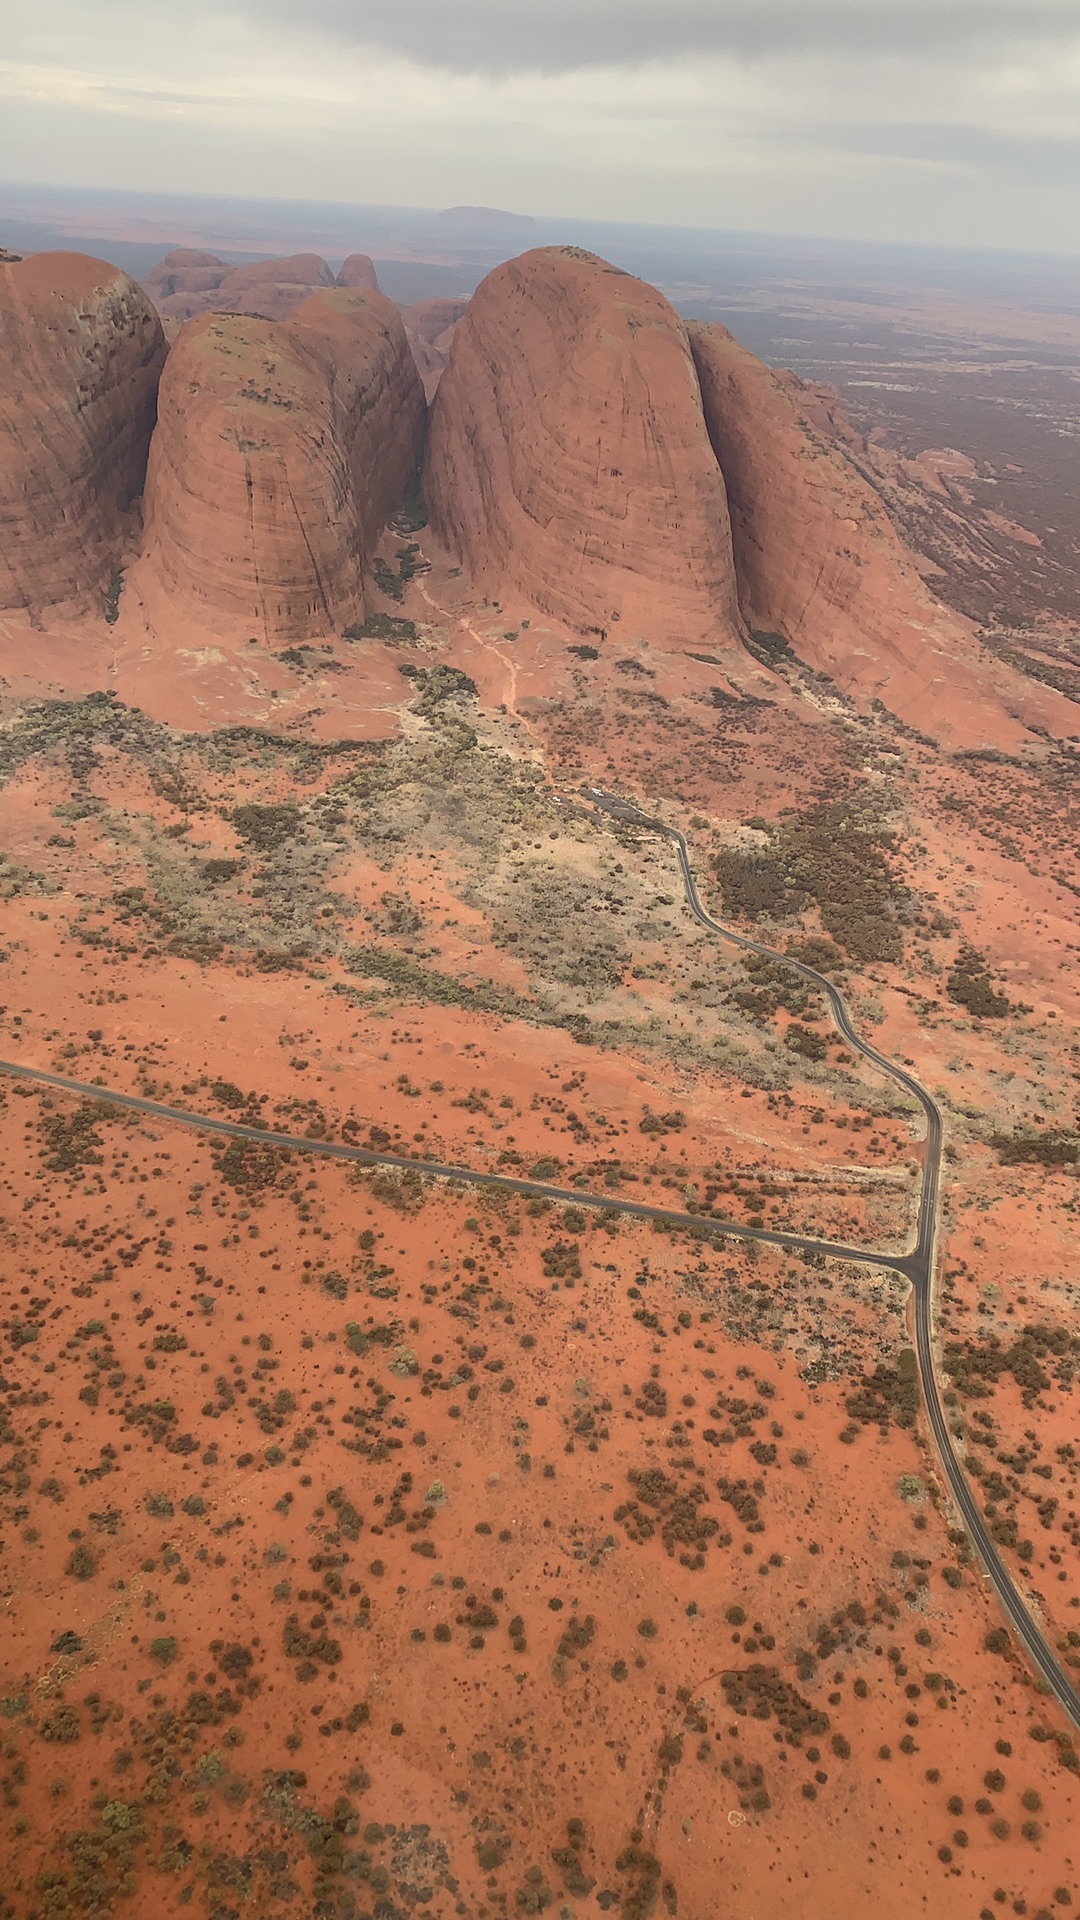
820	562
187	282
281	450
81	352
185	270
568	462
358	271
429	329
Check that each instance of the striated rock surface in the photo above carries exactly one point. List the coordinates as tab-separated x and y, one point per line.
429	329
358	271
820	562
81	352
280	451
568	462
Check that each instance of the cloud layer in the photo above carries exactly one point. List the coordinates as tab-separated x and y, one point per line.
564	36
943	120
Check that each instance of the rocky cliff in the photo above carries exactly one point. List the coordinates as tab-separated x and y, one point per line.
820	562
568	462
81	352
281	448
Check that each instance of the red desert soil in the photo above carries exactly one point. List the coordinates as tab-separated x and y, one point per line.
82	353
374	1545
570	1501
254	1576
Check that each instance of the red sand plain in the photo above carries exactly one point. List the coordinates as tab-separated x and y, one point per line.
226	1712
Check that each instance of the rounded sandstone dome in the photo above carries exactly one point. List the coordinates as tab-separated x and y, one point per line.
569	461
281	450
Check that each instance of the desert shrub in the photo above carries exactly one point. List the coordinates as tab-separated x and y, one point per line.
81	1564
969	985
385	626
562	1260
1043	1146
805	1042
72	1141
889	1393
164	1649
267	826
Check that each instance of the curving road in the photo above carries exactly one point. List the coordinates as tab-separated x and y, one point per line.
916	1265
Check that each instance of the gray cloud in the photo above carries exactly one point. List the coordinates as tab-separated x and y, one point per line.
1049	158
563	36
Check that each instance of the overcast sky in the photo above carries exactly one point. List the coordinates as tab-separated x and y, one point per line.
937	120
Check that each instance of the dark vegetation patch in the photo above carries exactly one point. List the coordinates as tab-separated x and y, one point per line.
835	856
72	1141
975	1367
662	1505
1043	1146
385	626
888	1394
266	827
970	985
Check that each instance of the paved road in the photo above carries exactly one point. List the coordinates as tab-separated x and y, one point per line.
916	1265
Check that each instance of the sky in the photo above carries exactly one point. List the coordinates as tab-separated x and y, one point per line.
954	122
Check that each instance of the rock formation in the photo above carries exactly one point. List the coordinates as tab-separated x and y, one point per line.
81	352
568	462
185	270
280	451
358	271
820	562
429	329
187	282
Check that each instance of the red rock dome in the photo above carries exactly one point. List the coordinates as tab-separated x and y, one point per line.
81	352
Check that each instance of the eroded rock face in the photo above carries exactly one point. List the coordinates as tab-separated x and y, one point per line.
568	461
820	562
81	352
281	450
